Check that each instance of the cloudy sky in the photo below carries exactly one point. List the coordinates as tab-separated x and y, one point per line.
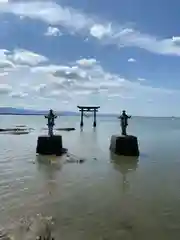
119	54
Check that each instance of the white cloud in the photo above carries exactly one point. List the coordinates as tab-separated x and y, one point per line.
104	85
86	62
50	12
47	69
21	17
131	60
5	88
53	31
141	79
24	57
18	94
100	31
9	60
83	81
2	74
176	39
6	64
71	73
78	22
84	92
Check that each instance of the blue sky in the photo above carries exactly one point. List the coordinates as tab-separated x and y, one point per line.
117	54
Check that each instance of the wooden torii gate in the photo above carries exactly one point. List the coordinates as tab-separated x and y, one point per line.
83	109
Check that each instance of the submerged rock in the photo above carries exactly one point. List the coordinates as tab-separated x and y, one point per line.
21	125
61	129
74	159
65	129
16	130
4	235
34	228
81	160
19	132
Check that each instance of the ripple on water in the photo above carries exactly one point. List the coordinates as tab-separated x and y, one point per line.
96	200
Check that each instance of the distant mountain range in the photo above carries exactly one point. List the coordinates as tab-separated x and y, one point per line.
22	111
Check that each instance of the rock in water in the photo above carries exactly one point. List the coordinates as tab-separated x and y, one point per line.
35	228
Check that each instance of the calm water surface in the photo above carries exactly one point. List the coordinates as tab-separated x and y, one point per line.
105	197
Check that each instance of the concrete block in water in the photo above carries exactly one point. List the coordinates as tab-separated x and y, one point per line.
124	145
47	145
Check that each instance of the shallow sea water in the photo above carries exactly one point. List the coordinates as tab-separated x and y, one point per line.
106	197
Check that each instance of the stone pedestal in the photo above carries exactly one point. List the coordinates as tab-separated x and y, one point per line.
124	145
47	145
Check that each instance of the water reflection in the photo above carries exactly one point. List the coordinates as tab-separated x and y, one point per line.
95	143
48	170
124	165
49	165
88	143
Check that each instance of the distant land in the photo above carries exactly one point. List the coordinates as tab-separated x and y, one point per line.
22	111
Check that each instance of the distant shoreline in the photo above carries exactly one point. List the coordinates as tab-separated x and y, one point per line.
22	114
76	115
36	114
60	115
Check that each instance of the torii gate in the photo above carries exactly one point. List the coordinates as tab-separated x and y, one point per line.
83	109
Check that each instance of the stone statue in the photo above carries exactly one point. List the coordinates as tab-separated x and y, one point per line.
124	122
51	116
